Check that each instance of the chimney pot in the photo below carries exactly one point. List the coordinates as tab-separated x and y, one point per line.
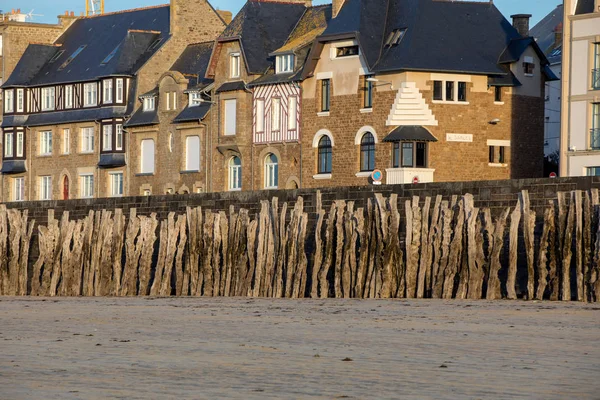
72	13
521	23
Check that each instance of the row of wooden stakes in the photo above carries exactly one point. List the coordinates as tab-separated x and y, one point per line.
448	249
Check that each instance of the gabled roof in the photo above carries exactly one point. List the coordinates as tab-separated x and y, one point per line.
133	35
143	118
584	7
193	63
544	33
32	61
193	114
261	27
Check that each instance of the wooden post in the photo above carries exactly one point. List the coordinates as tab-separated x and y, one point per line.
578	245
567	251
543	258
425	265
515	220
455	256
493	289
529	237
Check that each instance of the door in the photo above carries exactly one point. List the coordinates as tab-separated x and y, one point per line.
66	188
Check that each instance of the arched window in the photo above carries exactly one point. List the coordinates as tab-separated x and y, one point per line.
235	173
367	152
324	159
271	171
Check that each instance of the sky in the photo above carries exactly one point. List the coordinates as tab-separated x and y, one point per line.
48	10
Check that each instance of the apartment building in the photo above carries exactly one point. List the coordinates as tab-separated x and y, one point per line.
65	103
580	127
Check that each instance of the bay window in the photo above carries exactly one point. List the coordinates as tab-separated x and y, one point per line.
107	96
119	91
119	137
409	155
107	138
20	144
48	94
90	94
9	101
8	144
20	100
69	96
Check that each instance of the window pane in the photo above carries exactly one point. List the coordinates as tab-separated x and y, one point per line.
462	91
498	93
396	155
367	152
325	95
501	158
437	90
492	155
324	153
407	155
421	161
368	93
449	91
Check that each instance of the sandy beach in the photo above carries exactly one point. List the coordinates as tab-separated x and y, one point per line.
236	348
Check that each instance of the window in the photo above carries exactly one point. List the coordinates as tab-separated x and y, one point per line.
20	143
87	140
492	154
116	184
324	155
234	65
107	97
66	147
595	132
46	188
409	155
462	91
19	189
48	98
72	57
106	137
119	137
346	51
45	143
20	100
235	173
271	172
148	103
69	96
230	117
502	155
437	90
292	113
368	89
155	44
119	91
9	101
192	153
367	152
8	144
195	99
168	101
498	94
0	45
56	56
90	94
110	55
171	101
260	116
86	187
596	70
276	115
147	156
395	37
593	171
449	91
284	64
325	94
528	66
171	142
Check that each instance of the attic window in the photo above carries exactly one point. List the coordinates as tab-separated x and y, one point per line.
148	103
528	66
72	57
195	99
284	63
347	51
395	37
110	55
56	56
155	44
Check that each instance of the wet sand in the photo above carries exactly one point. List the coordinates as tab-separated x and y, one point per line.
176	348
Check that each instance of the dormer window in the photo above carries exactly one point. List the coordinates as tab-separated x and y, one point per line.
395	37
347	51
149	103
284	64
195	99
528	66
234	65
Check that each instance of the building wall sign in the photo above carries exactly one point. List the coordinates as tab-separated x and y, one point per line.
459	137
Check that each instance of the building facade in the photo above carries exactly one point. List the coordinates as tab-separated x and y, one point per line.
580	128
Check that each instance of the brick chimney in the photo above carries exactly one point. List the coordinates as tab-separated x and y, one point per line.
66	19
521	23
558	35
336	7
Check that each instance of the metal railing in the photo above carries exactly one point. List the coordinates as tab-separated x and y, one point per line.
596	78
595	138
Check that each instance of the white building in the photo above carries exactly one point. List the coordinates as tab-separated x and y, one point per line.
580	126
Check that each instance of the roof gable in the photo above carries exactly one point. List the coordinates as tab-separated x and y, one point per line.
193	63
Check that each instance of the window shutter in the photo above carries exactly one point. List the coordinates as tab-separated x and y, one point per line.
192	145
230	117
147	156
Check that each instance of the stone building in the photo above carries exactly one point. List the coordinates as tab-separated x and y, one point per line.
66	102
580	100
422	90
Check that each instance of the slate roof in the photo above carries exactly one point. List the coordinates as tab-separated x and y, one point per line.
135	34
544	34
262	27
193	63
584	7
231	86
441	35
142	118
410	133
65	117
195	113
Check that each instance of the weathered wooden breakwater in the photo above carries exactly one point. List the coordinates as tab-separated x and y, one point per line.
424	248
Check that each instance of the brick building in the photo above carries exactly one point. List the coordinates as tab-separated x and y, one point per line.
68	100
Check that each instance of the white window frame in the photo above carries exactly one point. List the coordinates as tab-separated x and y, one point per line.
293	113
19	189
168	102
87	140
86	186
20	143
107	132
45	188
119	90
45	143
455	94
69	96
260	116
119	137
66	144
234	65
20	100
174	101
149	103
48	98
190	164
271	172
9	101
276	114
8	144
116	184
234	180
230	126
284	63
107	92
90	94
195	99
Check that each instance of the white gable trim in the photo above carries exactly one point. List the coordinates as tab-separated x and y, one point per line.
364	130
319	135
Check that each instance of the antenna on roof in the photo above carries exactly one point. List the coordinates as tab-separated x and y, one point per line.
94	7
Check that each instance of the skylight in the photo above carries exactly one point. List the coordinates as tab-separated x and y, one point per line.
72	57
110	55
395	37
56	56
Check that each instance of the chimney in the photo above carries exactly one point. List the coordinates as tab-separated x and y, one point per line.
521	23
226	15
336	7
558	35
66	19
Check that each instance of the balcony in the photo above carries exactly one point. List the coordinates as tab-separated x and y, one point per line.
400	176
596	79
